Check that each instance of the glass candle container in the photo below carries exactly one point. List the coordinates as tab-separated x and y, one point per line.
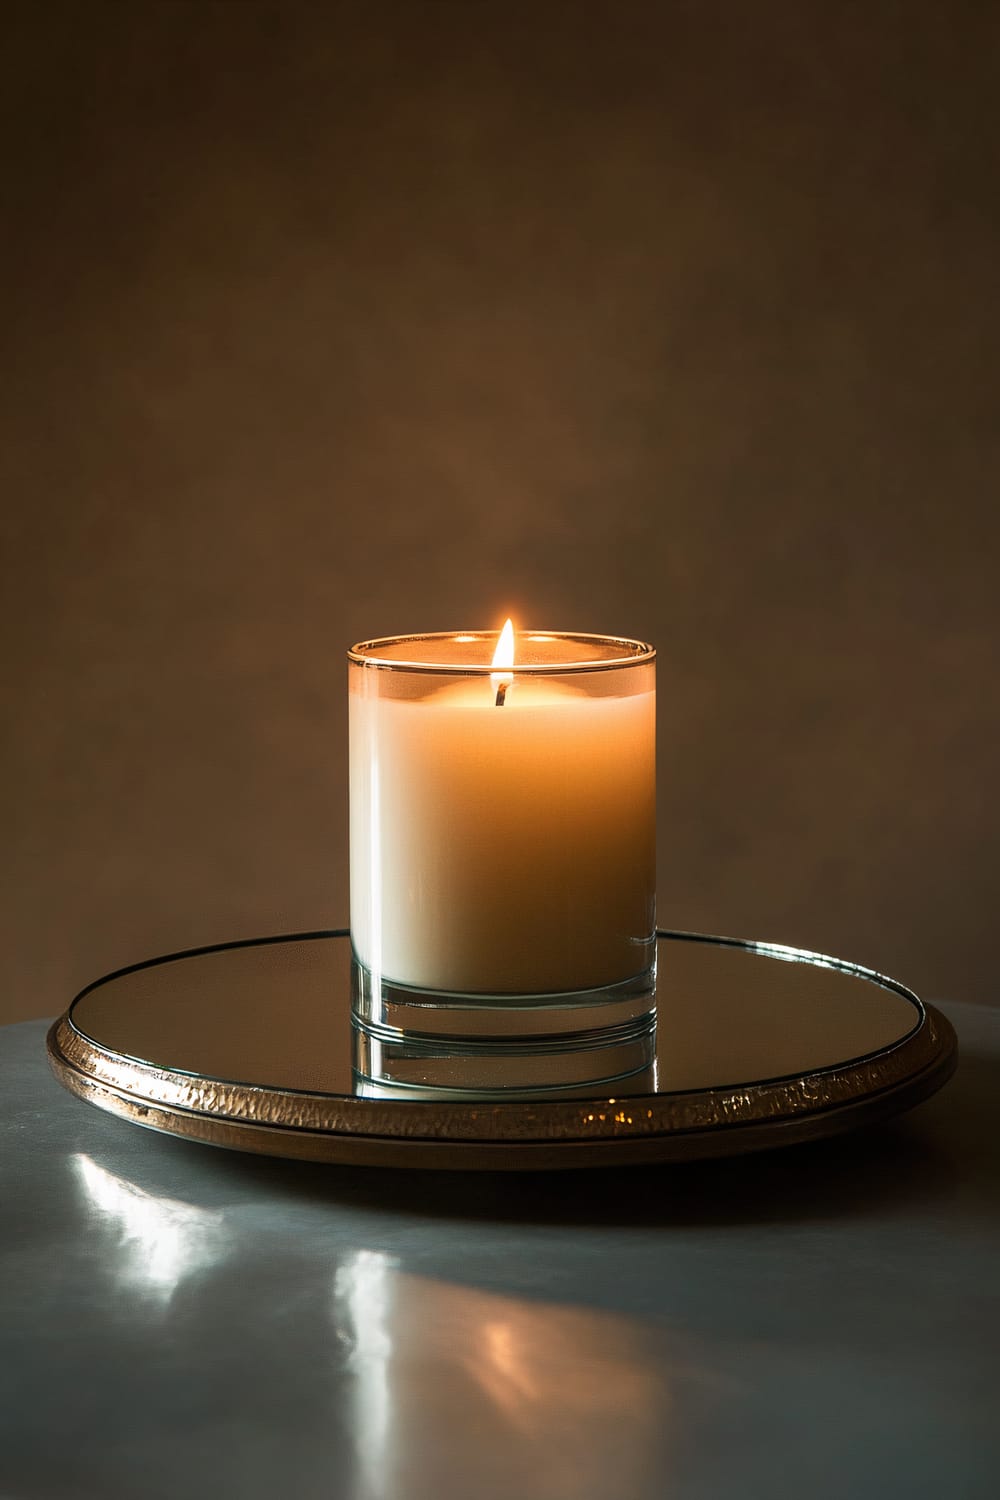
503	841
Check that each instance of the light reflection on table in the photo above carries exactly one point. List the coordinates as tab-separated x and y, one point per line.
572	1398
154	1242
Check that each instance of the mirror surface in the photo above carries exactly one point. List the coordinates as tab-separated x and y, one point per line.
276	1013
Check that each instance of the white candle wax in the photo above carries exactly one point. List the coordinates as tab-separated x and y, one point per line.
503	849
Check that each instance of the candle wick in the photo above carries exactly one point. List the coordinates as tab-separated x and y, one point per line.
502	694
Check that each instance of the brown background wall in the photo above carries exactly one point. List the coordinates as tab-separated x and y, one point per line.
323	321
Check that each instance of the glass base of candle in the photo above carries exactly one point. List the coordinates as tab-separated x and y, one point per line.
411	1038
389	1063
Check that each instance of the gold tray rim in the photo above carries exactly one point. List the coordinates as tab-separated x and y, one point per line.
512	1134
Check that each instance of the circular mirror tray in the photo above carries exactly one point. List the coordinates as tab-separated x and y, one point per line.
250	1046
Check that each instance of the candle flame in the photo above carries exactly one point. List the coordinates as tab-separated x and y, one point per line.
503	657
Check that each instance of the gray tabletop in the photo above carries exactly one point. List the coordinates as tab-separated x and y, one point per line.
184	1321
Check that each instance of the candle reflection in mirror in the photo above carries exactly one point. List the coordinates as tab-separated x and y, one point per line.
411	1069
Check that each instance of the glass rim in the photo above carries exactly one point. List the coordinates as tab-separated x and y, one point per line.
630	653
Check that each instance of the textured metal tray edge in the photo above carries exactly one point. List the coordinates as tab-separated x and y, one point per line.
512	1135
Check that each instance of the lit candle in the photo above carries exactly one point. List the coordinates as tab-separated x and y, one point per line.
503	812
